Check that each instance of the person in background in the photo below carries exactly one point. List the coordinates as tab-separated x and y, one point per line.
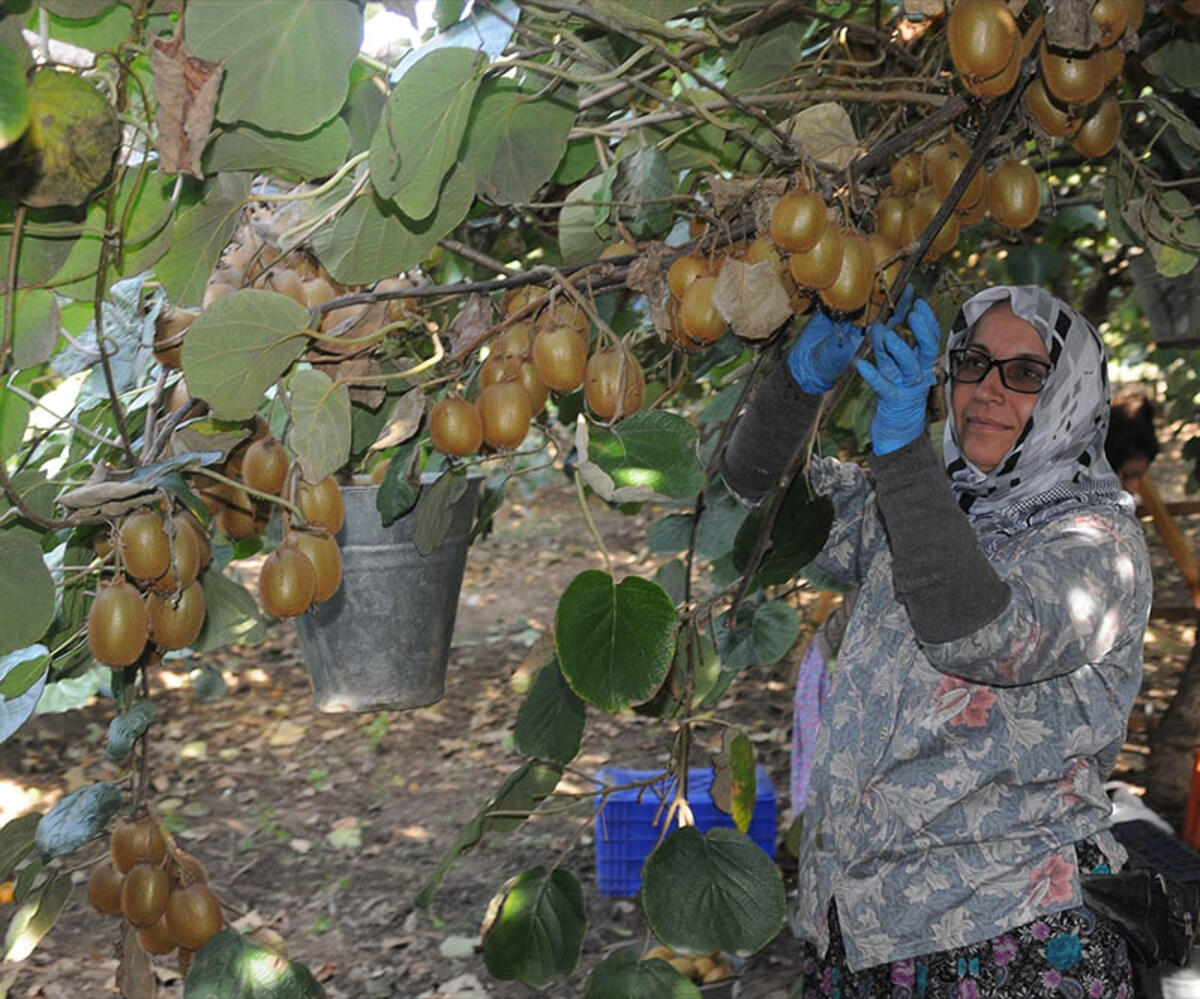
1131	444
989	664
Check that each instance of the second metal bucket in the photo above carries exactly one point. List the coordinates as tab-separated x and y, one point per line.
383	640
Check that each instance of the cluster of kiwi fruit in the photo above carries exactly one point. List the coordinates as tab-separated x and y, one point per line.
703	969
307	567
158	888
156	594
542	347
1071	96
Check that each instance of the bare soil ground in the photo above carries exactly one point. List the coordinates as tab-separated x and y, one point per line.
324	827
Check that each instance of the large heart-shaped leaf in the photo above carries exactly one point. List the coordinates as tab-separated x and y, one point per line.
614	643
535	926
77	819
287	62
229	966
643	180
201	233
514	142
26	593
718	891
22	680
434	512
762	635
798	534
316	154
231	614
651	448
551	719
239	346
622	976
417	139
320	431
373	238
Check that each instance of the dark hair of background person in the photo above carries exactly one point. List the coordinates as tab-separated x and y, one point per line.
1131	443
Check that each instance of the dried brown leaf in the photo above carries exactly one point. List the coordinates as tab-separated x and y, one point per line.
135	974
474	319
826	135
1069	25
369	395
752	298
405	420
186	90
648	276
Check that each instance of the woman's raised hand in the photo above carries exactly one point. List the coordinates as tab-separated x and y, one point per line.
822	351
901	377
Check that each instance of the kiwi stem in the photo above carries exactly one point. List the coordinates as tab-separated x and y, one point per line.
269	497
591	524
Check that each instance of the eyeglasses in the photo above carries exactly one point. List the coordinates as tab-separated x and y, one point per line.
1020	374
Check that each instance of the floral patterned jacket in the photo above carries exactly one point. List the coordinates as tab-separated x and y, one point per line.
953	779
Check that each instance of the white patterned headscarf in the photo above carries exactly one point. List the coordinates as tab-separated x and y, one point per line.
1058	459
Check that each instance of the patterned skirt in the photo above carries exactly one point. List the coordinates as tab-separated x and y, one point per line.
1073	954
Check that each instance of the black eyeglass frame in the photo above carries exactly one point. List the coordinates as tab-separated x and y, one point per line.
1001	363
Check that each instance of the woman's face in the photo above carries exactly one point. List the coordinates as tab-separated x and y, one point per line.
989	417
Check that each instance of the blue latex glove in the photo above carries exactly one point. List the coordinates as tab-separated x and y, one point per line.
901	377
825	348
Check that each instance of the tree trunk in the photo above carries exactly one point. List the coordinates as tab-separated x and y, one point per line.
1173	743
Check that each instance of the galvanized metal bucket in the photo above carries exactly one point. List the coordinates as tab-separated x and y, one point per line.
383	640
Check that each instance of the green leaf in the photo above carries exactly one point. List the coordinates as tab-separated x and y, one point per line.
320	431
767	57
520	793
14	97
362	113
797	536
26	593
287	62
763	634
1170	112
652	448
201	233
1034	264
79	9
229	966
231	614
22	680
644	179
74	691
33	920
514	142
103	29
551	719
434	514
719	891
35	327
705	666
16	840
577	162
40	255
239	346
614	643
1178	60
14	418
127	728
373	239
77	819
579	239
400	487
417	139
622	976
535	926
315	154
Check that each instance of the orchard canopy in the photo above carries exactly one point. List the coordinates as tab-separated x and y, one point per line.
242	261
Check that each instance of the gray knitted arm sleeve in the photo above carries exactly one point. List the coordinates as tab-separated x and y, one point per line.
938	569
774	422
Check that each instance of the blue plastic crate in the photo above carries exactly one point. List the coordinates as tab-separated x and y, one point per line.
626	831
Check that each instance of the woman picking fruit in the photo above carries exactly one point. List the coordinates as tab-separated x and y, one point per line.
990	662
